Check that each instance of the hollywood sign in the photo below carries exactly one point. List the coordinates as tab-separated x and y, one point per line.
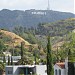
39	13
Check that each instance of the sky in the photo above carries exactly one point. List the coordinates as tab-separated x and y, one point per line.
57	5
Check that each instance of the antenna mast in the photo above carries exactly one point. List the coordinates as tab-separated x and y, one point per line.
48	5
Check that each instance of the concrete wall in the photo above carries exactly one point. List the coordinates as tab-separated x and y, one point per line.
9	69
63	72
66	66
41	70
15	70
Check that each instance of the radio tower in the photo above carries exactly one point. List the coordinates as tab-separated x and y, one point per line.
48	8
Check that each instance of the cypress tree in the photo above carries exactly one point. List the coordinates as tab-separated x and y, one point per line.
57	55
11	60
22	53
4	60
34	57
21	50
49	58
8	60
69	55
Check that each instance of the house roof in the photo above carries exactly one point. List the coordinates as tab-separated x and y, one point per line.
61	65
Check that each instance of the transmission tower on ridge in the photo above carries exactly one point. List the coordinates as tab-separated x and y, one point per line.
48	8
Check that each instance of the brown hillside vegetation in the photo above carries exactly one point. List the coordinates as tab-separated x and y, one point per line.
15	39
57	45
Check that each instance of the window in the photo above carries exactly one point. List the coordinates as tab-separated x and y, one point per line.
9	72
55	72
59	72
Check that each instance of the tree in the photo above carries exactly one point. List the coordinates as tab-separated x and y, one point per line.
2	46
4	60
49	58
24	59
11	60
8	60
22	53
34	57
2	66
69	55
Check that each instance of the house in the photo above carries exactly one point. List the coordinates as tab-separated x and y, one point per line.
21	69
64	68
26	70
15	59
59	69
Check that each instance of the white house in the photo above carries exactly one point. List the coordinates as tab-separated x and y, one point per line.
26	70
64	68
59	69
15	58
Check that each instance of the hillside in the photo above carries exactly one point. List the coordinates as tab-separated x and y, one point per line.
11	43
60	32
58	28
28	18
11	38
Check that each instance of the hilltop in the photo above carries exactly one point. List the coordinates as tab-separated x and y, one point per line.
29	18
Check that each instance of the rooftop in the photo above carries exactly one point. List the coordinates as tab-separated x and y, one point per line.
61	65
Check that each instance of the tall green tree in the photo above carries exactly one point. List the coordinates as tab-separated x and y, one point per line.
8	60
24	60
4	60
49	58
11	60
2	46
22	53
34	57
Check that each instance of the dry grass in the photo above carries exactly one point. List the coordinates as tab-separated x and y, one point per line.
58	45
16	40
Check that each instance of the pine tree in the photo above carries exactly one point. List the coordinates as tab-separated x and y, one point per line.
49	58
8	60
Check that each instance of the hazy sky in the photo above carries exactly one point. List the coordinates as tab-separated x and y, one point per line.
59	5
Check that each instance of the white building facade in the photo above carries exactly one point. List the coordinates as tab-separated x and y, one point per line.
59	69
26	70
